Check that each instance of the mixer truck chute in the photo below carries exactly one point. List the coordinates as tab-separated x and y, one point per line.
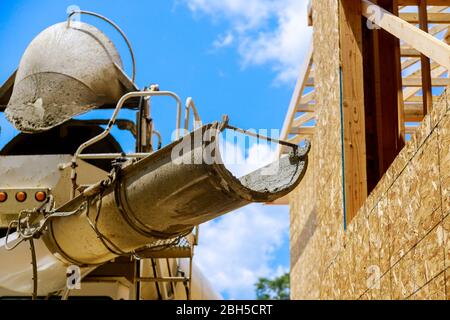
104	205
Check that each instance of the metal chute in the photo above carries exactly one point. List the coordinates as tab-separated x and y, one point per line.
68	69
166	194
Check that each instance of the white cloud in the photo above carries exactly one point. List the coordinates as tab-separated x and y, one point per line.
272	32
237	249
223	41
243	14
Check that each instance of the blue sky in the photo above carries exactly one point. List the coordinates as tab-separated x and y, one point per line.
233	57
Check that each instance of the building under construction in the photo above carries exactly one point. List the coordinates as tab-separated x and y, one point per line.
370	220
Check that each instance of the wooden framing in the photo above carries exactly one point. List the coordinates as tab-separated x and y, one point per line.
411	84
435	18
416	2
310	17
395	228
425	61
416	38
297	98
353	114
299	124
418	82
384	105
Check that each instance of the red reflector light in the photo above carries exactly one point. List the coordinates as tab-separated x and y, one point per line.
40	196
3	196
21	196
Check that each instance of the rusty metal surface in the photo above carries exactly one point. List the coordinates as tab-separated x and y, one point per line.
65	71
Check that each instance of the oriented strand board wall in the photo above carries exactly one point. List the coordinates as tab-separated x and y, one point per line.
398	245
316	205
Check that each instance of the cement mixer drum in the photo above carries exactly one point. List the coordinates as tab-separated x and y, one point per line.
68	69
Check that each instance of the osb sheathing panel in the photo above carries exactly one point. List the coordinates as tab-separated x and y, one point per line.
444	155
446	240
402	277
429	257
414	200
361	254
317	235
303	226
397	247
447	283
419	267
435	290
326	64
391	249
329	195
426	186
303	229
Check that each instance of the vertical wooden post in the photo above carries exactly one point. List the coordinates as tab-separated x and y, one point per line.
355	174
401	130
384	92
425	62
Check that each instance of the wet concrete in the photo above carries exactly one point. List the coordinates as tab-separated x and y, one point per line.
65	71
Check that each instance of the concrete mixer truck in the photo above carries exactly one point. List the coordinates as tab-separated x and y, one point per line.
78	215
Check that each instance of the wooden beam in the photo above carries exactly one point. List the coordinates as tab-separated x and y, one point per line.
425	61
297	95
431	9
305	131
409	52
310	14
434	18
304	118
418	82
355	174
416	99
436	9
430	46
418	72
299	138
400	129
309	83
414	112
438	29
416	3
307	97
408	92
409	62
433	31
306	108
411	129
